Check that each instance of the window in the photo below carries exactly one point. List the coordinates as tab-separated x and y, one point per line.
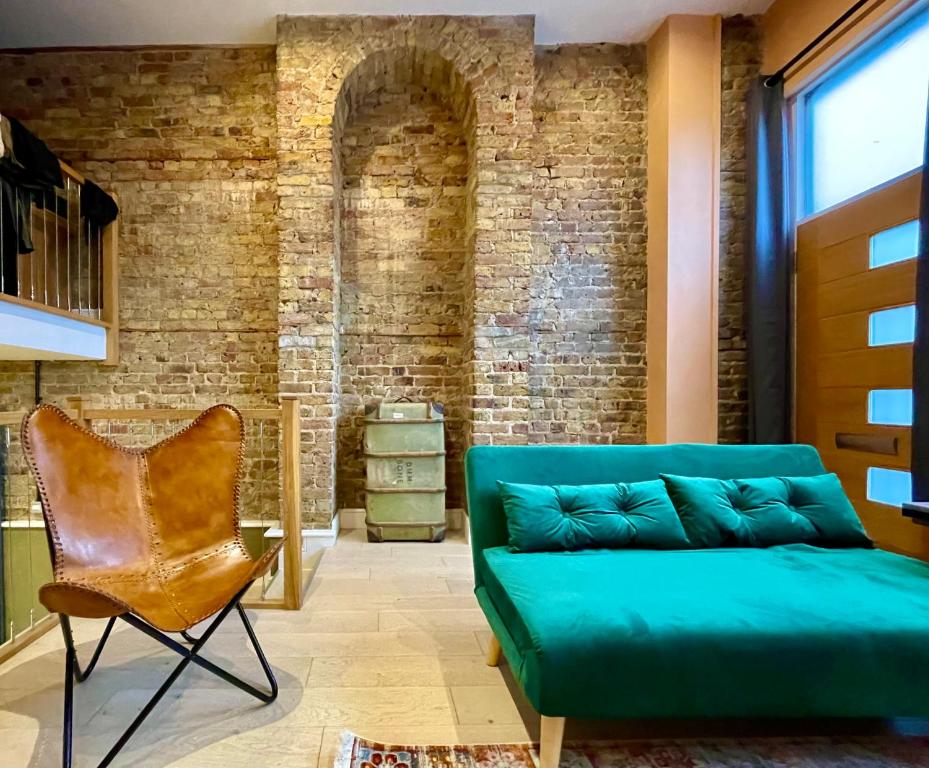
890	406
865	124
892	326
894	245
889	486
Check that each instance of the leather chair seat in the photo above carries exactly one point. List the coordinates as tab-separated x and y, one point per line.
173	601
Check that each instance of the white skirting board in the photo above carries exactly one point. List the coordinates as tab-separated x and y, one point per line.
353	519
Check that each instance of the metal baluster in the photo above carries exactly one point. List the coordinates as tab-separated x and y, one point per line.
74	223
6	518
19	234
57	251
85	228
32	264
33	587
84	277
99	231
79	264
8	500
88	266
68	236
45	245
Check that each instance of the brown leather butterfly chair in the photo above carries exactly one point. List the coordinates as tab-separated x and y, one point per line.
148	536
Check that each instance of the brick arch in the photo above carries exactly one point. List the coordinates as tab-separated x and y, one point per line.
413	64
454	44
492	60
403	109
389	64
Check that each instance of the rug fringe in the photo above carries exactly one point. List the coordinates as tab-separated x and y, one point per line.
343	757
752	752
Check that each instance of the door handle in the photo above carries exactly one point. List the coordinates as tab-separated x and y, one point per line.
867	442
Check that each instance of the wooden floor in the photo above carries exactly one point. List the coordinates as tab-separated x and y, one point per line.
390	644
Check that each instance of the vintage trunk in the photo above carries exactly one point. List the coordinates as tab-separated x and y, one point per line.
405	463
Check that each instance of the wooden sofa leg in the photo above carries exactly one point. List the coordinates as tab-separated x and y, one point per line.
552	735
493	652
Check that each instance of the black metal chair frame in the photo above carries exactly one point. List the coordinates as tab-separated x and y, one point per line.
73	671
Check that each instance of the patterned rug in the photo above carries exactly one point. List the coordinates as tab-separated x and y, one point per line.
868	752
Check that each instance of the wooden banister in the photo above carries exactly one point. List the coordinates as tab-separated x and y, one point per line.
291	510
173	414
78	404
11	418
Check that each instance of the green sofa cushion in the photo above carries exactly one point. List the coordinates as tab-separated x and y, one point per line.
787	631
610	516
592	464
763	512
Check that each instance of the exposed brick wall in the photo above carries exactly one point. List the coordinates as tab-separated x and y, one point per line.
487	63
587	370
403	250
185	139
270	197
741	63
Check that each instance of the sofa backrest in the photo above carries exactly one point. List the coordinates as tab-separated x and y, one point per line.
582	465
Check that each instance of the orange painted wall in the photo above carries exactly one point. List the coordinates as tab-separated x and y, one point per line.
683	226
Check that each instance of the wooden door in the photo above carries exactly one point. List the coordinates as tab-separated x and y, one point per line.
849	366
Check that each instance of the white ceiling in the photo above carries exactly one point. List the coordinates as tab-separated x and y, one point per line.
54	23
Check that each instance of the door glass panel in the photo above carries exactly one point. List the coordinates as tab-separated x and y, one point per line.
896	244
889	486
890	406
892	326
865	124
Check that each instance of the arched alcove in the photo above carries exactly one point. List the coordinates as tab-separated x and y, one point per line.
403	234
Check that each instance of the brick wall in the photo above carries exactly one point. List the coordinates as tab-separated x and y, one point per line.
403	250
185	140
271	196
587	370
741	62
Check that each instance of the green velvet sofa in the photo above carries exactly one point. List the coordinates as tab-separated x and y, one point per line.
785	631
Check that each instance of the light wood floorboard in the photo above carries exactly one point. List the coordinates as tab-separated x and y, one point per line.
390	644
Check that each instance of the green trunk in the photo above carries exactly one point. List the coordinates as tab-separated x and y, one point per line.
405	457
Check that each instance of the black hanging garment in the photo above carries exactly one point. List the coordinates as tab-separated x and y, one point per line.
97	207
15	237
28	168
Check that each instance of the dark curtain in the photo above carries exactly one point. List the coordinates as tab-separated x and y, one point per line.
768	269
920	451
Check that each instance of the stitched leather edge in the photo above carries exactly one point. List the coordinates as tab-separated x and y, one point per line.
55	536
87	587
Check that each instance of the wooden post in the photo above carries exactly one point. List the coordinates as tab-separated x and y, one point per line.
78	404
292	521
110	309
